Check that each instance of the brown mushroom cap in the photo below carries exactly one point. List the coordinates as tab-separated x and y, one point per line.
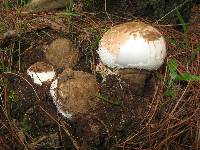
62	54
41	67
76	91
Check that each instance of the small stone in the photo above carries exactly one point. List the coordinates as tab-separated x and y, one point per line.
41	72
62	54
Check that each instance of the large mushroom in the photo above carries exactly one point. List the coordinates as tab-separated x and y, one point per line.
131	45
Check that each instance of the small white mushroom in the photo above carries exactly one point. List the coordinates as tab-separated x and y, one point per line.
41	72
74	92
132	45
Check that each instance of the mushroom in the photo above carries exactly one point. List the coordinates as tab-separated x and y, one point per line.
62	54
131	45
41	72
72	95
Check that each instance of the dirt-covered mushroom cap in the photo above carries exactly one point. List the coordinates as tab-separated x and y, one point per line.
62	54
74	92
41	72
132	45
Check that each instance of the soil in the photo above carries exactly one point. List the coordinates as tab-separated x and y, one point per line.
33	117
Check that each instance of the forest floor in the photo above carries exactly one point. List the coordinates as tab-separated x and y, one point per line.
165	116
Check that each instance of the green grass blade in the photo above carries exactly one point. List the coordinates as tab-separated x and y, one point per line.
106	99
188	77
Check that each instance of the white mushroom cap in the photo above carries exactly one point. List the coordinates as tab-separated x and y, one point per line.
41	72
132	45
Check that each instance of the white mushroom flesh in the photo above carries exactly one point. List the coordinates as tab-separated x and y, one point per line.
53	92
40	77
41	72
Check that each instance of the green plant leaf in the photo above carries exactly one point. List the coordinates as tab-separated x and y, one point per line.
170	92
188	77
172	66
